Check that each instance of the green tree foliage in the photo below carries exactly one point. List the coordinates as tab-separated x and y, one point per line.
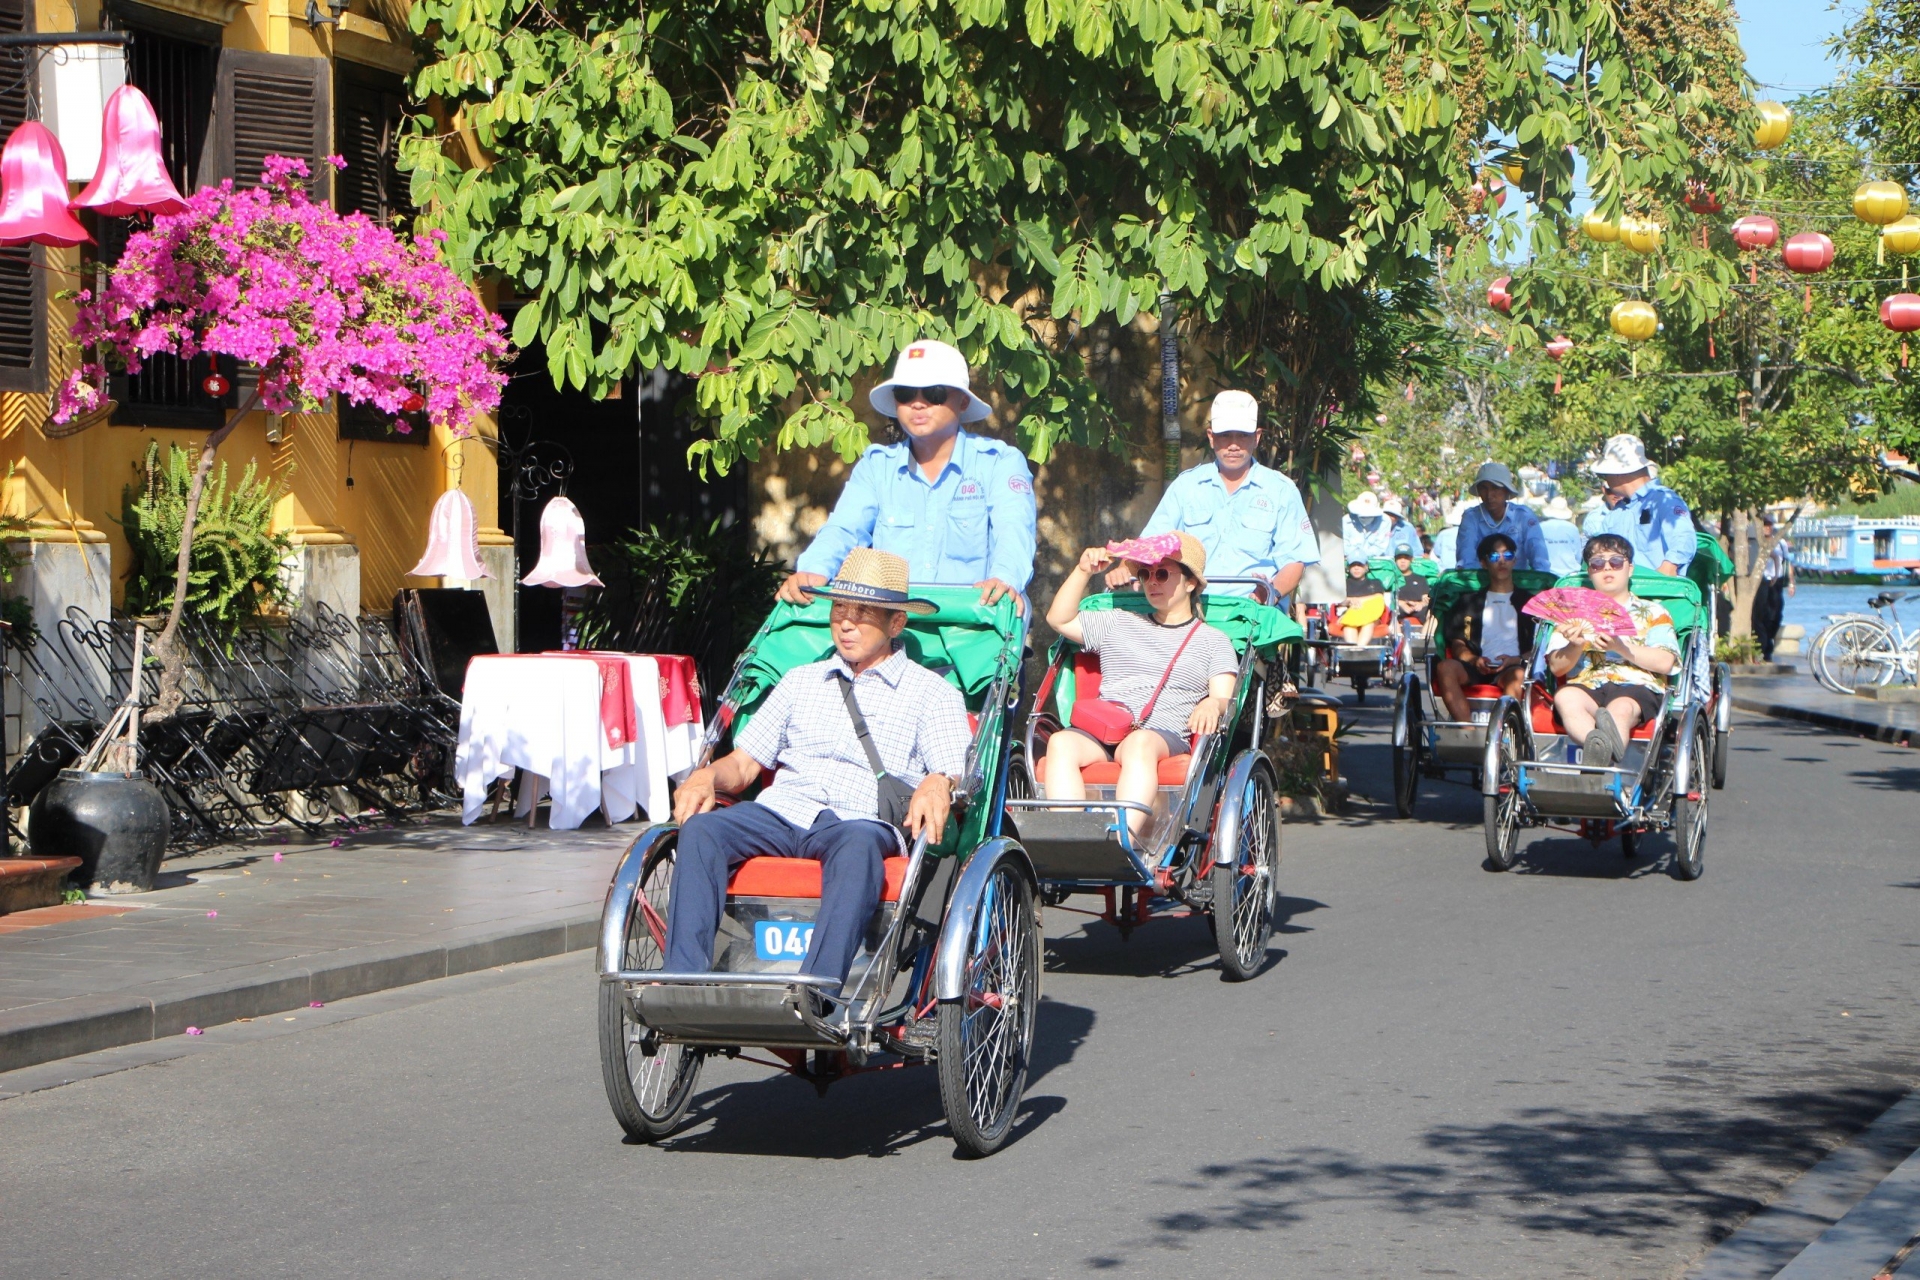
774	196
235	572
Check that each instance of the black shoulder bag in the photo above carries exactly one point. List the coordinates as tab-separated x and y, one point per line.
895	796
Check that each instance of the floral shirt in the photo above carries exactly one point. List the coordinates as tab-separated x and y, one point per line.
1655	630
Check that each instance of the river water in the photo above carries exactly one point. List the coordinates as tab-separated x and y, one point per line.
1814	601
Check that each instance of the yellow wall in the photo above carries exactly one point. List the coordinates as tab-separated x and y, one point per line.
71	488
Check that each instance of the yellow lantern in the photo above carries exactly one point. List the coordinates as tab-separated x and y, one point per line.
1879	202
1775	120
1514	165
1642	235
1634	320
1902	236
1599	228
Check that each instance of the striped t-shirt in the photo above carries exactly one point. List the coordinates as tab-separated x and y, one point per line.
1134	653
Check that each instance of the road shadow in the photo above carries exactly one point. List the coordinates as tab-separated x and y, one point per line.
1575	858
873	1114
1898	778
1567	1173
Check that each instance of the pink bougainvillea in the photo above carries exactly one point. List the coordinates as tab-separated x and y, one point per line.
317	301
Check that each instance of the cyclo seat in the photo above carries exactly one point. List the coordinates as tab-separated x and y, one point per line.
1086	672
1547	720
799	878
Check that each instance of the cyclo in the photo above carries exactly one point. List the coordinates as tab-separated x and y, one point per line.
948	973
1426	743
1531	775
1384	650
1212	838
1709	569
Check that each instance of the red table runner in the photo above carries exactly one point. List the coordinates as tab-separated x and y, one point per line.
616	694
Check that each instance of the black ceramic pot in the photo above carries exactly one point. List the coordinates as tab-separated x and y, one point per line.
115	823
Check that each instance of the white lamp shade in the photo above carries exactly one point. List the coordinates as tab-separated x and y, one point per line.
563	549
453	541
75	83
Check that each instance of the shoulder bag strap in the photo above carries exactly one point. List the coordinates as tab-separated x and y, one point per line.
860	727
1146	712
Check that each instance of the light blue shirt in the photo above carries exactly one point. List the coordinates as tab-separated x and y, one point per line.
1443	545
1656	521
1564	544
1518	523
1371	540
1253	532
975	521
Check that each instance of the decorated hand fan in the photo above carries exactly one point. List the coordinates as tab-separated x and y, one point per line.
1146	550
1567	604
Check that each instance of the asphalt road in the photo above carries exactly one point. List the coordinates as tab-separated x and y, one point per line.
1582	1067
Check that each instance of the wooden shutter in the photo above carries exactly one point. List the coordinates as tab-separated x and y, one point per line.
269	104
23	297
369	109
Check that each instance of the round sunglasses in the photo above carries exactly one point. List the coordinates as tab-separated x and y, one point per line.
1608	562
932	395
1161	572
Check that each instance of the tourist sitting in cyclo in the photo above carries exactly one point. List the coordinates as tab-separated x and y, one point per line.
1171	673
1366	604
1415	594
1489	640
1624	677
818	728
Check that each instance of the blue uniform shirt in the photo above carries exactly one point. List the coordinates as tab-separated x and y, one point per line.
1656	521
976	521
1443	545
1370	541
1564	544
1518	523
1250	533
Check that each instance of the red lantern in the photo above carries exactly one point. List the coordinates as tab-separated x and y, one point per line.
1754	232
1901	313
1499	296
33	191
413	403
132	177
1700	199
215	385
1486	189
1557	350
1808	254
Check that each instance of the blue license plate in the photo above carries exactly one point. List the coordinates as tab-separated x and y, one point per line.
782	939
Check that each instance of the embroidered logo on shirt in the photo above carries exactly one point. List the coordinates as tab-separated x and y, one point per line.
1019	484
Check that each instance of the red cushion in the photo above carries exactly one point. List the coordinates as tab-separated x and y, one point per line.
1545	721
1492	691
973	722
1173	771
800	878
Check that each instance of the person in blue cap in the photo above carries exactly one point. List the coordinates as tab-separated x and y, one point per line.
1493	484
957	507
1249	518
1650	516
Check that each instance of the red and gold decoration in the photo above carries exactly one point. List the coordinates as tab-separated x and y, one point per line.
215	386
1808	254
1557	348
1500	295
1775	122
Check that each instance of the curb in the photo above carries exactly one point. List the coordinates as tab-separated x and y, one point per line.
83	1024
1874	729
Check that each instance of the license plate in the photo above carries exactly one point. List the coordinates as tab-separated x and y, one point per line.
782	939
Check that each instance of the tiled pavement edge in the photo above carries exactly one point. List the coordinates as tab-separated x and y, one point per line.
1800	697
233	933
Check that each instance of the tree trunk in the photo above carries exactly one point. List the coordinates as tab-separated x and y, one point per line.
167	648
1746	573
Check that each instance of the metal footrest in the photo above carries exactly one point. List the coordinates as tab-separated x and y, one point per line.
731	1014
1077	844
1458	744
1572	791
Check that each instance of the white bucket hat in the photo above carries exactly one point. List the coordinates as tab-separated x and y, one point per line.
1393	506
1366	506
927	363
1496	473
1557	508
1623	455
1233	411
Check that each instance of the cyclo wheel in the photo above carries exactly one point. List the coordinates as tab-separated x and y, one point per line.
1723	688
986	1036
1245	880
1501	811
1690	814
649	1093
1406	756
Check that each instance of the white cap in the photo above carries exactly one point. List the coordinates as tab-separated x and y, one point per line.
1366	506
1623	455
1393	506
927	363
1233	411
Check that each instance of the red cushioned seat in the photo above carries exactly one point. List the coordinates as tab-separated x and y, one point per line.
800	878
1545	721
1483	691
1173	771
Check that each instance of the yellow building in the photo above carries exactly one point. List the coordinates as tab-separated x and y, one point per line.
232	82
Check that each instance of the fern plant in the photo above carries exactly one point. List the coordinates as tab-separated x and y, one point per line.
235	572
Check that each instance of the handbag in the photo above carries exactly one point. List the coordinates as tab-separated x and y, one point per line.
1109	721
895	796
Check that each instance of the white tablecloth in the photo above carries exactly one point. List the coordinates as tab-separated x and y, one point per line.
541	714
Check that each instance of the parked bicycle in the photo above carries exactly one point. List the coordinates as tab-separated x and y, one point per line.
1859	650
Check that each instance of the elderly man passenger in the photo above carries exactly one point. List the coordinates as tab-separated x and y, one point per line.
1494	485
824	803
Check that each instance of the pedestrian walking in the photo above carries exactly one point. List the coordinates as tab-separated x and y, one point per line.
1776	584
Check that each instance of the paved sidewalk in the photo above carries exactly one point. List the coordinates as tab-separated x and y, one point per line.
236	932
1801	697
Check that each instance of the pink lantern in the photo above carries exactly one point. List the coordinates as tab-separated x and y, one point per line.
563	549
1808	254
132	177
33	191
1700	198
1754	232
1901	312
1500	295
453	541
1557	350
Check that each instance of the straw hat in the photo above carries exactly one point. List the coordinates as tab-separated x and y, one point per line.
1623	456
873	577
1366	506
926	363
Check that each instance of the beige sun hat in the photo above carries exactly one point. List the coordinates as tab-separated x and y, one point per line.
928	363
1557	508
873	577
1366	506
1623	456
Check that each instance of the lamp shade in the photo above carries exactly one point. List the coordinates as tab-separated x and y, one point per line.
1642	235
563	549
1756	232
1499	296
1901	312
33	191
1599	228
1808	253
1775	121
133	174
1700	198
1634	320
453	541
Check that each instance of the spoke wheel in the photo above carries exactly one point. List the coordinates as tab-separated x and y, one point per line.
1019	777
1246	881
649	1093
1501	812
1855	653
986	1036
1719	764
1406	759
1690	816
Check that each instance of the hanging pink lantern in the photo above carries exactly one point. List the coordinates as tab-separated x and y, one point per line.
1500	295
33	191
1700	198
132	177
1557	350
1753	233
1901	312
1808	254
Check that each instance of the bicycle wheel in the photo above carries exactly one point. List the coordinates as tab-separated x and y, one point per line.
1855	653
986	1036
649	1085
1500	813
1245	879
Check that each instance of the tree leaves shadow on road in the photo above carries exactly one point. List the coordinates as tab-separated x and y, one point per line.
1577	858
1168	945
1636	1177
1895	779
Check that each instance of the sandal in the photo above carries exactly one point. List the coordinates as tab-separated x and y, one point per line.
1604	746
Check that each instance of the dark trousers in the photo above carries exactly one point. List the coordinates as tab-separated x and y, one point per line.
713	844
1769	605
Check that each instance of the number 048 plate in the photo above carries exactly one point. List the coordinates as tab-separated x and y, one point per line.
782	939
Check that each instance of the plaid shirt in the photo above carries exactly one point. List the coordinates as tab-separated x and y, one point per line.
918	722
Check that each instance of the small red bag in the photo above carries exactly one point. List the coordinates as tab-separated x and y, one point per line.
1109	721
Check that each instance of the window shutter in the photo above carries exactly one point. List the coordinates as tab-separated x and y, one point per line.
369	110
269	104
23	299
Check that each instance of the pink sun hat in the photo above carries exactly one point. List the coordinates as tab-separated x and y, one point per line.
453	541
563	549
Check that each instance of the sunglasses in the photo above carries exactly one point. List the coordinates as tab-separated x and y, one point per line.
1608	562
932	395
1500	555
1161	572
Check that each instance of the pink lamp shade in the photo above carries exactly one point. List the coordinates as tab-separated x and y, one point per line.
453	541
563	549
33	191
132	177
